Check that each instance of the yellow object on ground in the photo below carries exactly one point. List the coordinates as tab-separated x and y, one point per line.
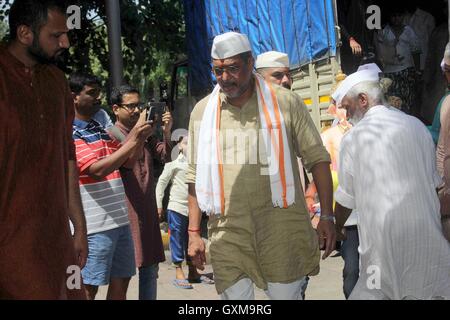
165	239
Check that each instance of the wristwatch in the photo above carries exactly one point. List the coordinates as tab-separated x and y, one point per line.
327	217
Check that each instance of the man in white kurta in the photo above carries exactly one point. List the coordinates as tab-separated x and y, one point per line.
387	170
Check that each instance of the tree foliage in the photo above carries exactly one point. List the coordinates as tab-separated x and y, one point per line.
152	38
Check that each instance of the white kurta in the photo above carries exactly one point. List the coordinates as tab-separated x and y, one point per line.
387	170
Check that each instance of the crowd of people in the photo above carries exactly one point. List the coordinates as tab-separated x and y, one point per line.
79	189
405	47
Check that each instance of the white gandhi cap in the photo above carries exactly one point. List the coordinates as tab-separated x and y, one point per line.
272	59
229	44
370	66
370	74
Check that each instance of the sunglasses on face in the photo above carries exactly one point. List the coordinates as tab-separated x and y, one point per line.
233	70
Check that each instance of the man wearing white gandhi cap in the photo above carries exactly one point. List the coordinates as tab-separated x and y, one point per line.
387	172
244	139
274	67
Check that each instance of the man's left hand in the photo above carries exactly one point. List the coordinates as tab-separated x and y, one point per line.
327	237
340	234
160	214
81	248
167	123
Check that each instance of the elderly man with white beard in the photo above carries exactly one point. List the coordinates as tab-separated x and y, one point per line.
387	171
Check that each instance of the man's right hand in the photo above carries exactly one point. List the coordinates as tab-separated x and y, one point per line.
81	247
143	129
356	47
196	250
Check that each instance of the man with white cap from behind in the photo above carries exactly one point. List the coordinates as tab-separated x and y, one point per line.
274	67
387	171
259	229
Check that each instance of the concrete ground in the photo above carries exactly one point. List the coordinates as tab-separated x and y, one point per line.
325	286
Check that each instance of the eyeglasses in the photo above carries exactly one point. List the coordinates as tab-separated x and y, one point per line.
133	106
233	70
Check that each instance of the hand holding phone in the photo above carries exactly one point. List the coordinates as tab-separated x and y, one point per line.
142	129
142	117
155	111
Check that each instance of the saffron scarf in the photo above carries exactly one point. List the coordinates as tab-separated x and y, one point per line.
210	178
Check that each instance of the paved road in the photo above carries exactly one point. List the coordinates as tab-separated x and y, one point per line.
326	286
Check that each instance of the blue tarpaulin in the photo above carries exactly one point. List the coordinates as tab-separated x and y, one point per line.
304	29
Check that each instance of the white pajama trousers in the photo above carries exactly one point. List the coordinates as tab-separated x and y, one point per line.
244	290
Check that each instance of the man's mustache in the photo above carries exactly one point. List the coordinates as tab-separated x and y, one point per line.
60	53
228	84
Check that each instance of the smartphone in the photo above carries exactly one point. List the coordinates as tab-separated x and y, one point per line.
155	111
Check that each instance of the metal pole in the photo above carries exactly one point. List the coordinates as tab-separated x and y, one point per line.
114	43
338	33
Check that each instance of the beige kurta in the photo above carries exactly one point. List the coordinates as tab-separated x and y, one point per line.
253	239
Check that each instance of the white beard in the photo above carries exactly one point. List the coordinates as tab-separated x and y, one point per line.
353	121
357	117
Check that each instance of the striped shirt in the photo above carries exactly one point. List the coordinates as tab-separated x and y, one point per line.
103	201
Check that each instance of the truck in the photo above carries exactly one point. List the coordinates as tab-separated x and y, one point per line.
306	30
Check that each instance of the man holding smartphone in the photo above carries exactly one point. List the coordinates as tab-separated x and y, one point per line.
99	157
140	185
155	111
